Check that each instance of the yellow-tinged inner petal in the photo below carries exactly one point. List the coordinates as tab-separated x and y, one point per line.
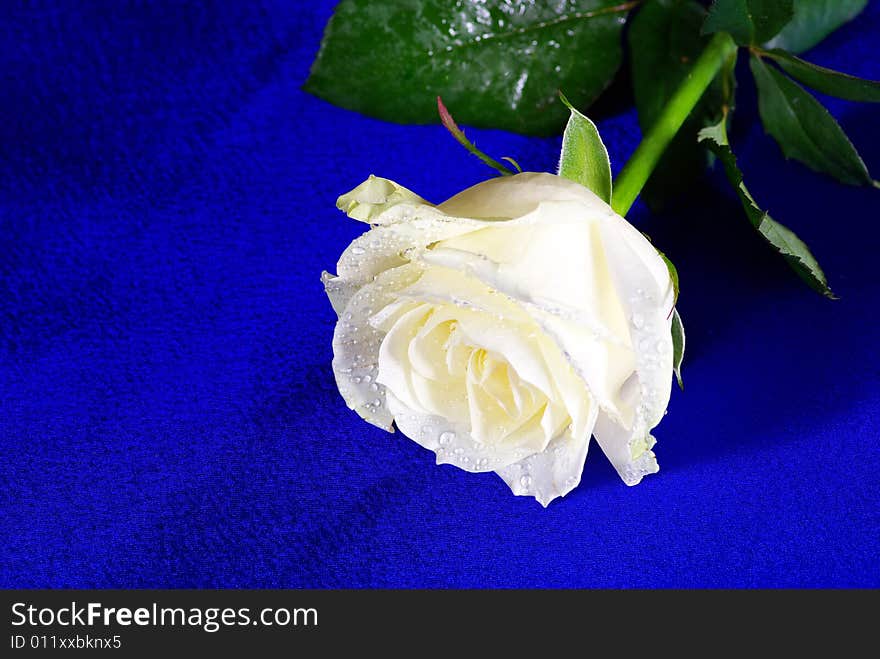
481	371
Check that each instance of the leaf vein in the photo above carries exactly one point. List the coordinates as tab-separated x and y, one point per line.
481	39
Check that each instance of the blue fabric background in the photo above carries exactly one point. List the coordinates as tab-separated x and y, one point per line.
169	417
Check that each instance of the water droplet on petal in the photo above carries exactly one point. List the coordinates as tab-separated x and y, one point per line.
358	250
525	481
446	437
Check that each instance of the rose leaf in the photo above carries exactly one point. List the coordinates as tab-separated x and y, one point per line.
813	21
779	237
498	64
804	129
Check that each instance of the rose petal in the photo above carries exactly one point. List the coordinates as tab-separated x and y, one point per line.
558	379
602	366
553	472
441	285
512	196
395	370
356	345
402	221
573	392
554	288
503	385
491	424
338	290
452	444
553	258
428	351
642	282
629	285
483	318
648	297
632	459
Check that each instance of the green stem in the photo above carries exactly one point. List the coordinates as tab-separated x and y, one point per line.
635	173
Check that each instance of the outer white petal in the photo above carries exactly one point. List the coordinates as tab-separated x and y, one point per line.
402	221
385	247
555	471
388	246
356	345
631	456
553	258
645	290
442	285
602	365
338	290
508	197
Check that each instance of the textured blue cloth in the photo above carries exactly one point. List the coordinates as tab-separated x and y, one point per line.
169	416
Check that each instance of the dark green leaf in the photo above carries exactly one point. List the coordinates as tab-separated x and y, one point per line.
813	21
456	132
796	252
825	80
781	238
677	346
804	129
749	21
664	41
584	158
498	64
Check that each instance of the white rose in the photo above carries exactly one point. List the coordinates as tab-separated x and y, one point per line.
504	327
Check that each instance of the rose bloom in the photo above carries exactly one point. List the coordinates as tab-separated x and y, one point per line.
504	327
